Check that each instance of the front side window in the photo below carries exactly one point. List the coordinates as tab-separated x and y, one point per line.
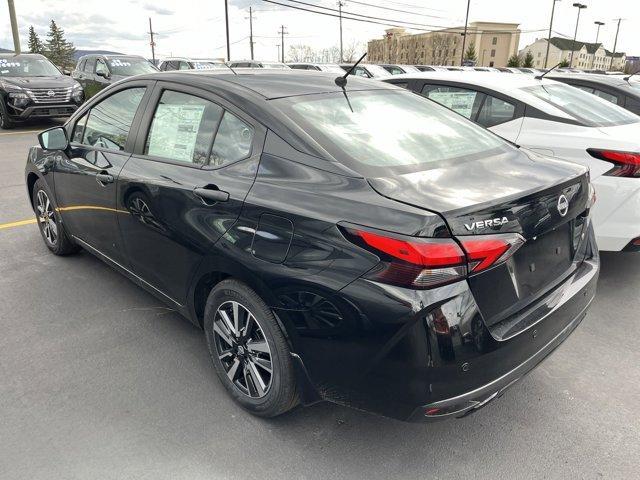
183	128
101	68
90	66
606	96
586	108
109	122
461	100
357	131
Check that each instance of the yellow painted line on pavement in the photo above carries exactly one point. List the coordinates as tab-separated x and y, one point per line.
19	223
19	133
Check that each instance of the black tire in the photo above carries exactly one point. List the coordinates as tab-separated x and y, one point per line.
5	121
50	224
281	395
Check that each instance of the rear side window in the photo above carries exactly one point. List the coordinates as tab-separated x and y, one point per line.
183	128
109	122
81	65
495	111
232	142
461	100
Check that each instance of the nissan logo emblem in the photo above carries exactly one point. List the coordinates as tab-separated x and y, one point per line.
563	205
51	93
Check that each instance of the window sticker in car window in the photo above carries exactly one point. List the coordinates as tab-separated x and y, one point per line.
175	131
460	102
119	63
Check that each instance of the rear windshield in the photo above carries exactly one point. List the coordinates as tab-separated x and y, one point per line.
204	65
587	108
384	129
27	66
130	66
377	70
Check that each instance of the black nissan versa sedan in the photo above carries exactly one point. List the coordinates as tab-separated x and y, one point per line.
362	245
32	87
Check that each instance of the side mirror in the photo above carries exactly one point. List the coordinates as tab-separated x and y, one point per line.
102	73
53	139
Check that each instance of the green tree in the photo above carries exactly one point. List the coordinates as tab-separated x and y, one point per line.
563	64
59	50
528	60
514	61
470	54
35	44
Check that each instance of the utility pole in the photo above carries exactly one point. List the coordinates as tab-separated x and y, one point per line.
579	6
553	9
226	22
152	43
14	28
340	5
599	24
615	43
282	33
251	31
464	35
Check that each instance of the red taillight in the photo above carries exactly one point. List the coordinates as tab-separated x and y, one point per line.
419	251
484	251
428	262
627	164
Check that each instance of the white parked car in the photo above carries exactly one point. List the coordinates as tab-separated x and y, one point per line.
558	120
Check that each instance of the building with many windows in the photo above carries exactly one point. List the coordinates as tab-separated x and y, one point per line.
494	43
586	56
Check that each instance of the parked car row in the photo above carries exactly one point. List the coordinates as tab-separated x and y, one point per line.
387	247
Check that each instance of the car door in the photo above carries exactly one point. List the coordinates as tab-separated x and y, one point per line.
85	176
90	83
195	159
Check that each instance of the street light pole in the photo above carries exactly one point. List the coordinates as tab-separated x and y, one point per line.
599	24
464	35
226	22
340	5
251	31
14	27
579	6
615	44
553	9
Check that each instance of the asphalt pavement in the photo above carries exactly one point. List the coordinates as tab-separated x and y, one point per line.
99	380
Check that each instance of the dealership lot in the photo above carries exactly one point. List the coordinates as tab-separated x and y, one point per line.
100	380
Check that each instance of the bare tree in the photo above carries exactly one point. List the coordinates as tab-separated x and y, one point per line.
352	51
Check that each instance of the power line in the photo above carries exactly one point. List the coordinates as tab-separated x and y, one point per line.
439	28
396	10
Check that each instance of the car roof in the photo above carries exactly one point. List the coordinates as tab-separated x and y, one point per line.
509	85
270	83
613	80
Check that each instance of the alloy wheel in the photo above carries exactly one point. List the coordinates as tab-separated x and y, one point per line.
46	217
243	350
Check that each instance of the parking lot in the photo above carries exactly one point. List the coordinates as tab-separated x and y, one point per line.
98	379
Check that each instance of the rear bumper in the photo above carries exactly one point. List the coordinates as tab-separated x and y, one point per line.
468	402
401	353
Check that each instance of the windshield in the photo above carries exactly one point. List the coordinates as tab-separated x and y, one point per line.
386	128
332	68
130	66
588	109
203	65
635	85
274	65
26	66
409	68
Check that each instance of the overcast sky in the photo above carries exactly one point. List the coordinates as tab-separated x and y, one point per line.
196	28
